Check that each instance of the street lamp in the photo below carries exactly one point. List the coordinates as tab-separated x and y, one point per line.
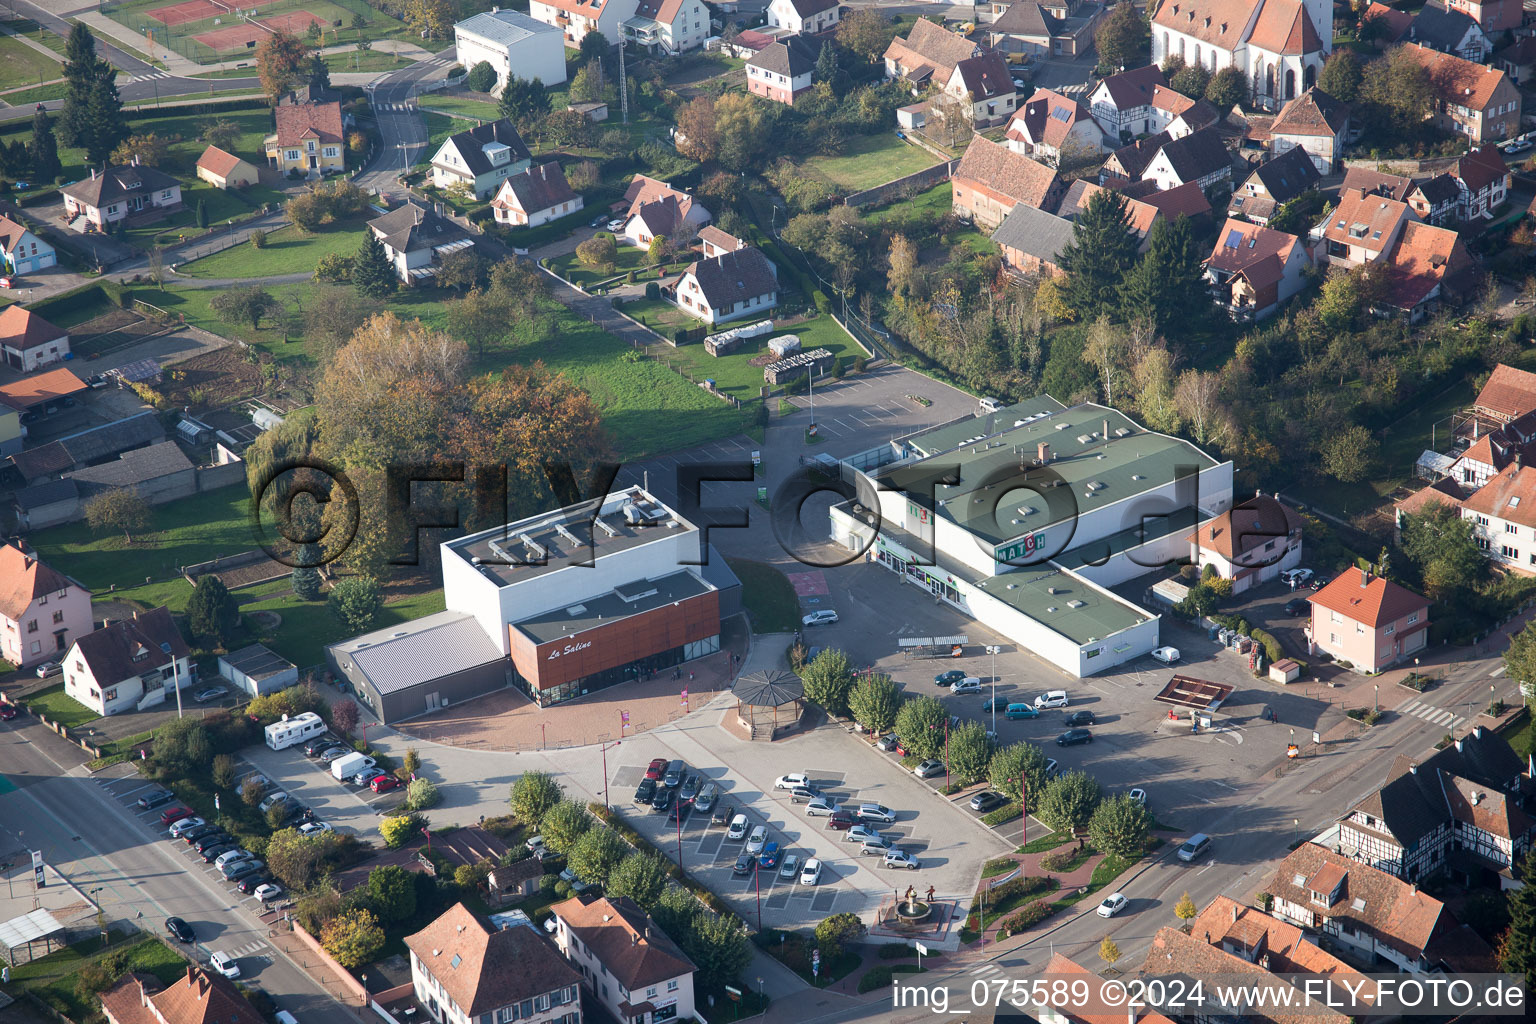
175	674
1376	697
1490	699
1295	831
605	748
992	650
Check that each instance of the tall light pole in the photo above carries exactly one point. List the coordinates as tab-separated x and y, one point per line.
175	674
992	650
1376	697
605	748
1490	699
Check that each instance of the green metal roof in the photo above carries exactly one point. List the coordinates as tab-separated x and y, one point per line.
1077	611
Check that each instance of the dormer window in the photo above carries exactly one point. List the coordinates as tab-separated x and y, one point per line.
1319	898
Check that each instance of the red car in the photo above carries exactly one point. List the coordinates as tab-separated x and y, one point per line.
7	712
384	783
174	814
840	821
657	769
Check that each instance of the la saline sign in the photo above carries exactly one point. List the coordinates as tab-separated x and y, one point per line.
568	649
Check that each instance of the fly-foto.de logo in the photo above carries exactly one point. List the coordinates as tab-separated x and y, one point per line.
569	649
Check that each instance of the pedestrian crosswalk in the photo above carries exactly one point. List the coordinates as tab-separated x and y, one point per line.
982	970
147	75
1431	713
397	108
248	949
439	62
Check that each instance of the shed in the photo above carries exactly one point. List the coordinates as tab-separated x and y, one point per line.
1169	592
258	670
28	929
47	504
1194	694
1285	671
783	346
592	111
193	431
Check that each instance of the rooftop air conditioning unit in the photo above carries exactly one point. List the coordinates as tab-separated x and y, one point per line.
1074	604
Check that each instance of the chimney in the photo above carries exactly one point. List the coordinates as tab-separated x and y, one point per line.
1234	913
1365	577
1043	452
1477	731
1105	435
1413	769
93	174
634	939
1458	746
1477	798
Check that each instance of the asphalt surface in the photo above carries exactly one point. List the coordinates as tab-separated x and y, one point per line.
402	133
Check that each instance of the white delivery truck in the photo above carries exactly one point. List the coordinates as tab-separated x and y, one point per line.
294	730
349	765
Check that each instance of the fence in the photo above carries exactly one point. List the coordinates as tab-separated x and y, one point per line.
213	31
917	180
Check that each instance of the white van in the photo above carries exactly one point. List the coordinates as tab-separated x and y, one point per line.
349	765
294	730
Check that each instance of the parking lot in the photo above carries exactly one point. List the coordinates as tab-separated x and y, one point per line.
347	808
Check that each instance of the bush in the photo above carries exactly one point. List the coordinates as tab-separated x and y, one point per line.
679	335
1031	915
1007	812
859	363
482	77
1059	859
652	290
875	977
258	239
1272	649
892	951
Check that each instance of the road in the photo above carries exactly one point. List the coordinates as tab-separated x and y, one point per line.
402	133
120	59
88	834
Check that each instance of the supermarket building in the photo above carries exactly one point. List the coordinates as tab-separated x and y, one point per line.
1046	507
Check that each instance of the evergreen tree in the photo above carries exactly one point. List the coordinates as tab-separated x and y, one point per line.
93	112
372	274
319	74
1161	283
1102	249
525	102
211	610
202	214
44	150
826	63
1517	946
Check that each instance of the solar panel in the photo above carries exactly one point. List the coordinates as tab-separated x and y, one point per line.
1234	239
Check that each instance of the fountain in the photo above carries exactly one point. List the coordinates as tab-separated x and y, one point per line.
912	910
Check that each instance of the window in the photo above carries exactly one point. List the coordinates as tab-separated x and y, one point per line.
1333	638
672	985
109	695
37	647
1509	552
1511	528
1335	617
1413	618
650	993
1390	629
31	625
58	617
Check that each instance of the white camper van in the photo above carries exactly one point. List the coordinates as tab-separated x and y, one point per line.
294	730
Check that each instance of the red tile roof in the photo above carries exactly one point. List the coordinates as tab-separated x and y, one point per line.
1284	27
1218	22
1373	601
199	997
1134	88
625	940
1444	491
1370	182
1186	200
1470	85
1048	117
215	161
299	121
1256	252
1511	495
1369	222
23	329
932	46
1314	113
482	969
1396	21
23	579
1481	168
1250	524
1425	254
1059	964
39	388
1510	392
998	169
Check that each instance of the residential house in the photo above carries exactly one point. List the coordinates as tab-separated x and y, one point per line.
1274	944
1061	28
1255	269
1314	122
742	282
782	71
112	194
1201	158
1122	103
514	44
1424	263
466	971
1047	1010
1280	45
21	251
1494	16
626	960
535	196
1464	810
656	208
42	611
1503	511
202	996
158	474
714	241
1185	118
51	387
1449	32
480	158
1518	60
1379	918
668	27
1050	124
1361	229
806	17
991	180
1435	200
29	342
1250	544
929	53
1143	211
1493	451
225	170
1368	621
1130	162
128	664
1174	953
985	89
1509	394
1393	22
416	239
1273	184
1482	182
1370	182
1031	240
1470	99
308	141
575	18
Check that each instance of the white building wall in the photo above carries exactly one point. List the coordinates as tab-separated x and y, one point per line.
540	56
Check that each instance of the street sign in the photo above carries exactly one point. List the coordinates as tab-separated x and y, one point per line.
37	867
733	993
922	950
815	957
757	458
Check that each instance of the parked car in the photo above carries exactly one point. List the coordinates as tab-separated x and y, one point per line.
1166	655
811	873
839	820
333	753
319	745
769	858
674	774
577	884
1298	606
217	838
1016	712
876	847
878	814
949	678
824	617
680	810
790	868
861	833
1195	846
690	787
269	892
240	868
205	695
250	883
1297	577
383	783
314	828
657	768
970	684
801	794
758	839
994	704
192	835
46	669
1052	766
901	859
155	799
705	801
791	781
7	712
738	828
598	221
272	800
745	865
217	850
185	825
224	964
929	768
987	801
646	791
535	846
1072	737
663	799
1112	904
1080	718
887	742
1138	796
296	814
821	805
617	224
1051	699
226	859
179	930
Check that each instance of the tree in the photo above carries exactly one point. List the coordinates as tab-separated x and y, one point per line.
481	77
356	602
534	794
353	938
904	265
202	214
1016	762
345	716
1227	89
297	860
826	69
332	316
463	270
718	946
411	763
223	771
372	274
1517	946
565	823
117	509
307	211
1190	80
970	752
660	250
400	829
865	31
640	876
566	128
1153	380
949	115
221	132
43	150
392	892
598	251
1186	910
590	83
250	304
1197	397
92	117
470	877
432	19
211	610
253	792
1168	272
697	137
319	72
1107	349
594	47
480	317
306	583
1123	39
421	794
874	701
1348	455
1442	547
837	932
1520	660
920	724
827	681
1108	951
1120	826
1102	249
598	851
524	101
281	62
1069	801
1341	75
745	126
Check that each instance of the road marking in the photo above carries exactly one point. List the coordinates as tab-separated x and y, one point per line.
1498	671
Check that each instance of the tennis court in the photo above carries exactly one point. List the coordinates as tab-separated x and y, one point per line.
296	23
192	10
235	37
211	30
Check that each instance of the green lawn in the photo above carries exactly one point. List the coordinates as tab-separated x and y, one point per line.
364	60
288	251
660	315
221	205
439	127
37	94
628	258
934	203
769	597
307	627
180	533
734	374
32	30
52	978
461	106
22	65
59	707
869	160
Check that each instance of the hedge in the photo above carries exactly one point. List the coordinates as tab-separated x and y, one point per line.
1032	914
875	977
896	951
550	231
1007	812
1272	649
